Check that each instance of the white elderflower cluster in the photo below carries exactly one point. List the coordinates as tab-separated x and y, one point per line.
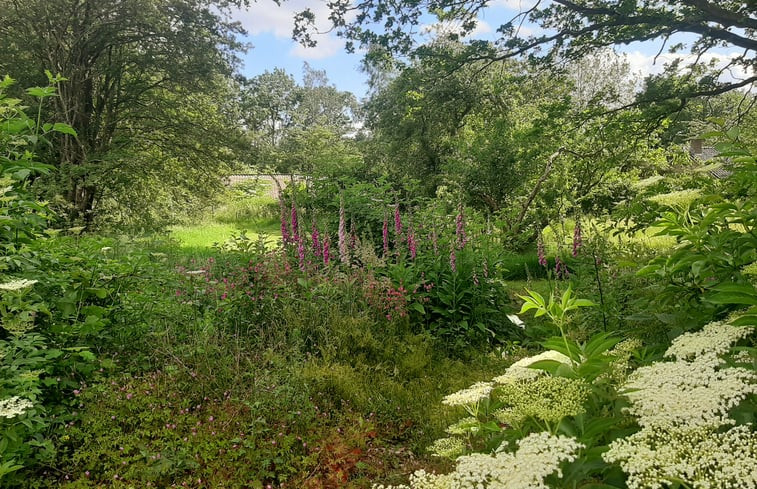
714	339
682	407
702	457
447	447
667	394
538	456
546	398
14	406
470	396
17	284
520	370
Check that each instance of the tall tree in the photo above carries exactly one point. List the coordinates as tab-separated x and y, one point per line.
130	66
282	115
568	29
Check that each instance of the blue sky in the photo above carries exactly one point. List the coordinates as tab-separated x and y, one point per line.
270	30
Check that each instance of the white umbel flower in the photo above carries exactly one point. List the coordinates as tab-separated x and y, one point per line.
538	456
714	339
702	457
470	396
692	393
17	284
14	406
520	370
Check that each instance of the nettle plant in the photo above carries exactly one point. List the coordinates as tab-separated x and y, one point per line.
580	415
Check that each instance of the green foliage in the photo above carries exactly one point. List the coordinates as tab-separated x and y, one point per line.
22	217
703	276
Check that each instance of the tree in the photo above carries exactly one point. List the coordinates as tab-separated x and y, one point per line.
133	67
569	29
280	116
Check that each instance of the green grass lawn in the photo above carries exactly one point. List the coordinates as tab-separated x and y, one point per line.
210	232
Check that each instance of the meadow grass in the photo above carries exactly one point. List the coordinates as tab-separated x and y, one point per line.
210	232
646	238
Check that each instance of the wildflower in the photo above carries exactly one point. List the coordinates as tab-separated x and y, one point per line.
470	396
447	447
540	252
545	398
715	338
326	255
561	270
700	457
520	370
453	260
538	456
14	406
284	223
412	245
577	241
397	221
17	284
695	393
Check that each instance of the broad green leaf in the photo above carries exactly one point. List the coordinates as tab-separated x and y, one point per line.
64	128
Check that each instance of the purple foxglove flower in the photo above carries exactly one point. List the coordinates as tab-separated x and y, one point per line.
284	223
316	240
326	254
412	246
577	241
397	221
540	252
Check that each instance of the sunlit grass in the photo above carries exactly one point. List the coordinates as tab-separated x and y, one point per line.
646	238
210	232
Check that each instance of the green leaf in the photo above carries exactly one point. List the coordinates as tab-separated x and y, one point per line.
64	128
98	292
417	306
600	343
732	298
41	92
745	320
87	355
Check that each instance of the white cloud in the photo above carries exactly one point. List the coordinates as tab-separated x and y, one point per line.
645	64
265	17
519	5
327	46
